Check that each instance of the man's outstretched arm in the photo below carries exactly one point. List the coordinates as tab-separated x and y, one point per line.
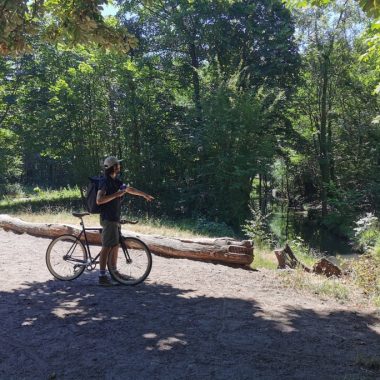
133	191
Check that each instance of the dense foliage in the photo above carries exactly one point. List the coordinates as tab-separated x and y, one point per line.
220	105
70	22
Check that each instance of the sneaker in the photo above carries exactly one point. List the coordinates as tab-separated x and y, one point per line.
105	281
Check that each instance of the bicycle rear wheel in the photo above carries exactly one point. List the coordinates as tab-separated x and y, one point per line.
66	257
134	262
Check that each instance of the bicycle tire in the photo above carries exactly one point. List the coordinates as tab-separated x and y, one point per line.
136	271
62	268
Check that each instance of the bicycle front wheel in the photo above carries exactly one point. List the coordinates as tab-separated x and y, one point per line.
133	262
66	257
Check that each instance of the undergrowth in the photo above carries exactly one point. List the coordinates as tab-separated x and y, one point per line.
365	271
55	206
311	283
37	199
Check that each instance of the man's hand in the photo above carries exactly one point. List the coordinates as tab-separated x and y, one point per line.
148	197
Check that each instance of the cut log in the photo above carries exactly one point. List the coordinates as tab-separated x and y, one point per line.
220	250
327	268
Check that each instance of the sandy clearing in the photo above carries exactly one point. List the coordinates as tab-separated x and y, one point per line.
189	320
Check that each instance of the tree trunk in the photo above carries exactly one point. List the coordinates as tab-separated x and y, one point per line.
323	145
260	195
331	153
196	84
225	251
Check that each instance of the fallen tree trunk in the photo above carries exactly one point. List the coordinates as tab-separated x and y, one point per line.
220	250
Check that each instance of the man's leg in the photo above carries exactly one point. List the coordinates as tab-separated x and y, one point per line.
103	278
110	239
113	253
103	258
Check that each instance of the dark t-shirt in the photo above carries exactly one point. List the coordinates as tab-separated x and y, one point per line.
111	210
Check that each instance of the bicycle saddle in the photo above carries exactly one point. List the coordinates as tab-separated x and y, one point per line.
80	214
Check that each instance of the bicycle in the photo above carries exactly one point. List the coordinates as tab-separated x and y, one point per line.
67	257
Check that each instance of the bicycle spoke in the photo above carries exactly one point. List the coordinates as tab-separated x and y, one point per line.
66	257
134	265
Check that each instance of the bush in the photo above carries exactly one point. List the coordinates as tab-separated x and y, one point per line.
304	252
213	228
366	269
65	197
366	274
367	232
259	230
338	223
13	189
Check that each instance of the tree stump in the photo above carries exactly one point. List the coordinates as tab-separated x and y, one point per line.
287	259
327	268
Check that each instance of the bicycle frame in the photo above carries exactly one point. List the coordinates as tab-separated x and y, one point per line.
93	261
69	255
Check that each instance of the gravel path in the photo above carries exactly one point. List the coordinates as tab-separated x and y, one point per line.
189	320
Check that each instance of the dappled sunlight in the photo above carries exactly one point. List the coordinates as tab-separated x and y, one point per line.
165	344
188	320
282	320
178	330
68	308
29	321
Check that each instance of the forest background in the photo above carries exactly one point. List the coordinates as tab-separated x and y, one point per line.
220	109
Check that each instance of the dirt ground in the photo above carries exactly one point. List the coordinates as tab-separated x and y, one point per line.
189	320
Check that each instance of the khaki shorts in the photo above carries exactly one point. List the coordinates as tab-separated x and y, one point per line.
110	233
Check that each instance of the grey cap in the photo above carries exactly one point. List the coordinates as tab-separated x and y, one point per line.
111	161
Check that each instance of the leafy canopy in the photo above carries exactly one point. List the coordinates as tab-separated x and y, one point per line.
70	22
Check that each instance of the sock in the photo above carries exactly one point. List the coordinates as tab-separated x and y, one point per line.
102	272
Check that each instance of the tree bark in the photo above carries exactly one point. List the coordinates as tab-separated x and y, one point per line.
224	250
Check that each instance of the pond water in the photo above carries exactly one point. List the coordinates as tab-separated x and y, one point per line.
287	225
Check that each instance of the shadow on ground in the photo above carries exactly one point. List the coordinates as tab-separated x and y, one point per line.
57	330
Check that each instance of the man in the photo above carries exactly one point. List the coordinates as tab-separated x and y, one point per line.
109	196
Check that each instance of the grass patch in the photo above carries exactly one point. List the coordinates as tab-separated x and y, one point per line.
181	228
316	284
365	273
360	283
304	253
68	197
264	258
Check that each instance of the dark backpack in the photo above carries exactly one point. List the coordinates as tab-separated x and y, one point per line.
91	193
